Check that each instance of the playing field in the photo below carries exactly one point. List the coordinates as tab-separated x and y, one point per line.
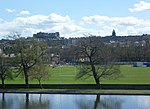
66	75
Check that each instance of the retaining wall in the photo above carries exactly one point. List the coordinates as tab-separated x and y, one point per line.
81	86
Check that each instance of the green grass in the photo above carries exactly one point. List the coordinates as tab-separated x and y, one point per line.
132	75
66	75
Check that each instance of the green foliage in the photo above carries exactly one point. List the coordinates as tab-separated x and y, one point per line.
39	72
28	54
5	68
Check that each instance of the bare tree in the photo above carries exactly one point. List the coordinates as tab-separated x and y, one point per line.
98	60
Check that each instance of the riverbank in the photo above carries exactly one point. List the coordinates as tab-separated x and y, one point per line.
77	91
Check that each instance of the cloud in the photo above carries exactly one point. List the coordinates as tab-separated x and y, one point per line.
95	19
140	7
23	13
58	18
123	25
27	26
10	10
95	25
104	20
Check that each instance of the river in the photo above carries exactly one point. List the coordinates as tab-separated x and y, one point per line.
73	101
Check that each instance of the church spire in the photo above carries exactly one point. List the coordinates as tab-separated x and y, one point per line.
113	33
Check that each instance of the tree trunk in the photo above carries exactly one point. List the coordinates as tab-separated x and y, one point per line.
95	75
40	83
94	72
26	78
3	82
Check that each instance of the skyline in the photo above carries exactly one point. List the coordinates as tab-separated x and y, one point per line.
74	18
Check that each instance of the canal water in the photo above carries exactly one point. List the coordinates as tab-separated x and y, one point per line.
70	101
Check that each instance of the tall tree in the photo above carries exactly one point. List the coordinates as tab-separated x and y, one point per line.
98	60
29	52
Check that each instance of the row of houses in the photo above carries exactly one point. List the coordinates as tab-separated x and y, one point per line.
55	39
6	55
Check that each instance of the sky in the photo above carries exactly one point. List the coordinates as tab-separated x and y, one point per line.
74	18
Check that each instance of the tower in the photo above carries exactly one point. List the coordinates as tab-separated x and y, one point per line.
113	33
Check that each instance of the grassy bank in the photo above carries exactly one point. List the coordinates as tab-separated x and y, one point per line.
66	75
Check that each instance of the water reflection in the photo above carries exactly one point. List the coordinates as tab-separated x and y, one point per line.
3	102
58	101
39	103
104	103
23	101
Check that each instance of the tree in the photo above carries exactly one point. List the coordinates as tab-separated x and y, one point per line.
29	53
39	72
98	60
5	69
68	54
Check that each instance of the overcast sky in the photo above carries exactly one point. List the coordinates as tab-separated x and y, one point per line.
73	18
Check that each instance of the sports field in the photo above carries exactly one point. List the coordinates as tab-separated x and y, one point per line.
66	75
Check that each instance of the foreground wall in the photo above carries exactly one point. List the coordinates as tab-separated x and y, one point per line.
81	86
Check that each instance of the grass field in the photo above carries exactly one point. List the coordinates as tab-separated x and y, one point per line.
66	75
